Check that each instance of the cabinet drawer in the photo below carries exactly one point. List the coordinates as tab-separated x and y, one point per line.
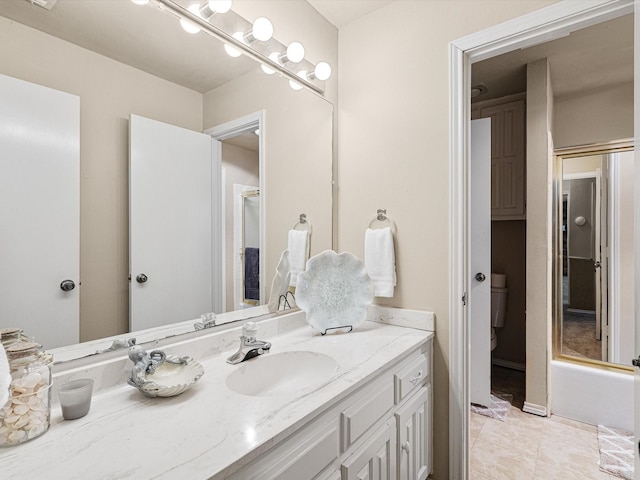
411	377
358	418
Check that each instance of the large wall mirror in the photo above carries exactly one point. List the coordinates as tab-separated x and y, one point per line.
121	59
594	252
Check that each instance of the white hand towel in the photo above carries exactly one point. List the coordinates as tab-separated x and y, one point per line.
298	253
5	377
380	260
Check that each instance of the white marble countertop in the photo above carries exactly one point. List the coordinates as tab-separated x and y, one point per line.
209	431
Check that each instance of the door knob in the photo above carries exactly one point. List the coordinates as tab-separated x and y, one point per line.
406	446
142	278
480	277
67	285
596	265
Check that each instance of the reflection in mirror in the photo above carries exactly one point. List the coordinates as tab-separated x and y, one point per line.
130	60
250	250
596	242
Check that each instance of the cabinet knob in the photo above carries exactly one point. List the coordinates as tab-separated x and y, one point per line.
406	446
416	378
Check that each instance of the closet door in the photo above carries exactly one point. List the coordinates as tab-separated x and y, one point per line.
39	211
170	223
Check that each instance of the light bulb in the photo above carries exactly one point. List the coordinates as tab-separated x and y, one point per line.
295	52
322	71
187	25
295	85
220	6
268	70
232	51
140	2
262	29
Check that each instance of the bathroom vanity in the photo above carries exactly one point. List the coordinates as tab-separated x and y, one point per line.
367	406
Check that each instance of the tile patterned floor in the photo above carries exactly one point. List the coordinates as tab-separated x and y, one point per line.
526	446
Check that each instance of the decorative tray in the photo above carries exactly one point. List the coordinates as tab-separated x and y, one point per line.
156	374
334	291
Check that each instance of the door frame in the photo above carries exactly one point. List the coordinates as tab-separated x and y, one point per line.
543	25
247	123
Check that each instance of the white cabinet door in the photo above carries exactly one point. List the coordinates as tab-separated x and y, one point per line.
39	211
414	437
170	223
375	459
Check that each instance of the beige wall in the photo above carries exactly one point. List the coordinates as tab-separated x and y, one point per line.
538	265
241	167
109	92
594	116
588	163
393	151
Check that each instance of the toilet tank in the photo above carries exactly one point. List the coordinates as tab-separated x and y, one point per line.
498	306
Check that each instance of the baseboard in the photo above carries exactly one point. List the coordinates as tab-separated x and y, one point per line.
507	364
535	409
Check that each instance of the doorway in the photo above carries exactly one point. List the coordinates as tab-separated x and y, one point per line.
554	21
241	170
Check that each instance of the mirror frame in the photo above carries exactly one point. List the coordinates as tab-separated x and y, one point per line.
559	155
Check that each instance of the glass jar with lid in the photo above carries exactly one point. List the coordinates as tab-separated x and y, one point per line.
26	414
12	335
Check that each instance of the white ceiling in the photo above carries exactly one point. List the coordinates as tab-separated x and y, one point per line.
587	59
343	12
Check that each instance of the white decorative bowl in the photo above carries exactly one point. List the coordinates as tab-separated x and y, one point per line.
334	291
171	378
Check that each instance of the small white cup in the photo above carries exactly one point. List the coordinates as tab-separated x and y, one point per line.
75	398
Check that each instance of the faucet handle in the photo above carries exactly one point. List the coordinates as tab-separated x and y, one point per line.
250	330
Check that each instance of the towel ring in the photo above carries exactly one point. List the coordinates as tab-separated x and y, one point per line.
382	216
304	224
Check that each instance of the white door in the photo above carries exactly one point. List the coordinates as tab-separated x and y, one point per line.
39	211
170	223
480	262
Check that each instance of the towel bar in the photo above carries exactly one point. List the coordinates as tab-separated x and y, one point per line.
381	216
304	223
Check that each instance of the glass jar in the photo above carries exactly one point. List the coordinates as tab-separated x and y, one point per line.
27	413
11	336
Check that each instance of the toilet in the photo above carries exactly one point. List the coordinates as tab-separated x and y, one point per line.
498	304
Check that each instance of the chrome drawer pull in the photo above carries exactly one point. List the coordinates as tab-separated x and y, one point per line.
416	378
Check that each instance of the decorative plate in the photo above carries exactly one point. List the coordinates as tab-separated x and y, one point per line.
280	284
334	291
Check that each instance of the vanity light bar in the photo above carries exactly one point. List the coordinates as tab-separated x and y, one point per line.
182	13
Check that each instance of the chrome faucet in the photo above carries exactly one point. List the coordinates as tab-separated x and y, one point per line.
249	346
208	321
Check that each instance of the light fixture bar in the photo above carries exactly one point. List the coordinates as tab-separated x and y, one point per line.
178	10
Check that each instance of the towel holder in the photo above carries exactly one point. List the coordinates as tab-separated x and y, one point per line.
381	216
304	224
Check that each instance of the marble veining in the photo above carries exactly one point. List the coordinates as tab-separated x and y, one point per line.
209	431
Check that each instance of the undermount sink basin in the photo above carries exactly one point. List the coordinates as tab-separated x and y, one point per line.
281	373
